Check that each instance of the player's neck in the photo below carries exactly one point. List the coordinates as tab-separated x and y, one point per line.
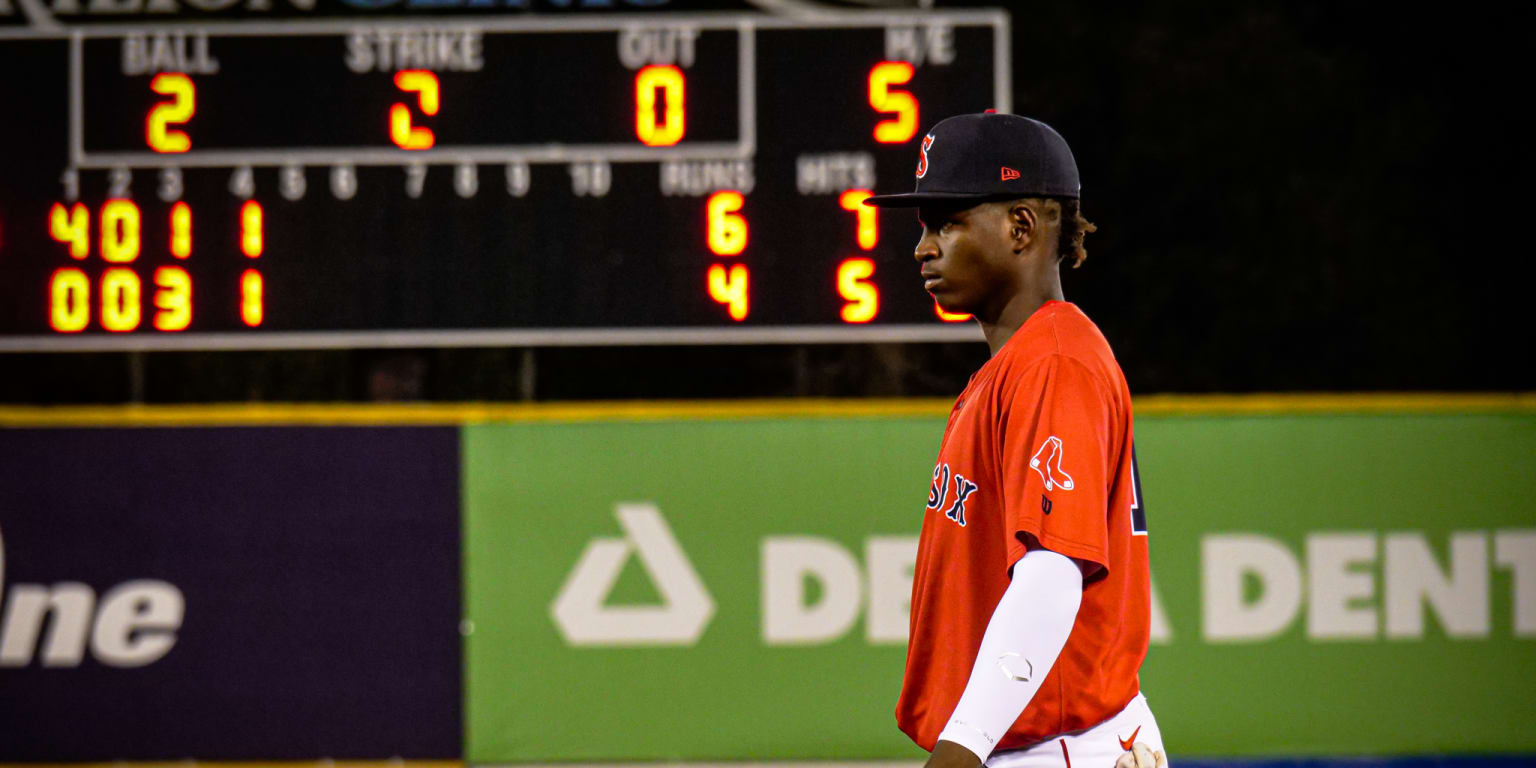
1026	301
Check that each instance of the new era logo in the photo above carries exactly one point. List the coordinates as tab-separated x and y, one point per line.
1009	173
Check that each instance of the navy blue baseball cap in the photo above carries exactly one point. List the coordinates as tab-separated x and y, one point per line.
989	156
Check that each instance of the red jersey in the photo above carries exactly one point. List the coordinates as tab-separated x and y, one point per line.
1039	443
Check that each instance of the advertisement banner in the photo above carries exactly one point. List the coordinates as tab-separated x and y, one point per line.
712	590
229	594
1344	584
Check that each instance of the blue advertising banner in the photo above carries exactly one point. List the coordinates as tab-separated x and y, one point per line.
229	593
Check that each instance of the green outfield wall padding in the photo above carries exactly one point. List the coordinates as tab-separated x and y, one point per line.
675	589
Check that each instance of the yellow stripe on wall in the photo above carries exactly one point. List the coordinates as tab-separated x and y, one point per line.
1342	402
457	413
421	414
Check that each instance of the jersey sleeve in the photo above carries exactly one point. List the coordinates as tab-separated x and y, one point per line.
1056	427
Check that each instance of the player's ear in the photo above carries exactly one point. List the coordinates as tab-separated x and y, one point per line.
1022	224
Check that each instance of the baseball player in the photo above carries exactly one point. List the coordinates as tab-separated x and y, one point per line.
1030	597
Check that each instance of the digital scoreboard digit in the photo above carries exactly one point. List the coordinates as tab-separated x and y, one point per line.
603	180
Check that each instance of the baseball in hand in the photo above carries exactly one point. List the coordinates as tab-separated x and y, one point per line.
1142	756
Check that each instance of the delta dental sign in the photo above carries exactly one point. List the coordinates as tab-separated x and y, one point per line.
881	591
1365	585
1354	585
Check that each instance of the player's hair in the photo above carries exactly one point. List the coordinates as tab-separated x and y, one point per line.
1074	227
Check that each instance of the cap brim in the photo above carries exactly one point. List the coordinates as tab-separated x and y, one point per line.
915	199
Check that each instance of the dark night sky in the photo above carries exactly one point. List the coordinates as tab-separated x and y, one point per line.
1296	195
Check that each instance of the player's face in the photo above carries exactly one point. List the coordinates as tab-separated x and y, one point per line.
964	258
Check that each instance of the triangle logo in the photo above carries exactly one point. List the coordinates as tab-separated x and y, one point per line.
580	611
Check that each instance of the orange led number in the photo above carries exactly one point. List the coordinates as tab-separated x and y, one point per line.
178	110
669	80
250	229
424	84
726	228
173	299
119	231
69	300
120	299
866	218
903	126
949	317
862	296
181	230
250	298
730	289
71	225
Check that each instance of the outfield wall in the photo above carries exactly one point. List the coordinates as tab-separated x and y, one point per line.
716	582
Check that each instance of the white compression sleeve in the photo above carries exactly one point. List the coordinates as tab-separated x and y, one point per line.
1025	635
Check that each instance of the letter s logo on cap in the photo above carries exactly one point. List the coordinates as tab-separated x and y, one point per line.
922	156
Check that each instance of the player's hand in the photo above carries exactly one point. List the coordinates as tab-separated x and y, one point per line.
947	754
1142	756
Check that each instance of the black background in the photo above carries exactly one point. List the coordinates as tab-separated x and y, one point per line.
1290	197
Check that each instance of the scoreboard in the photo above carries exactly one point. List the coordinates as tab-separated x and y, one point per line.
614	179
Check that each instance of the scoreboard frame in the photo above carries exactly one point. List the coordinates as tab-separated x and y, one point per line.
745	25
